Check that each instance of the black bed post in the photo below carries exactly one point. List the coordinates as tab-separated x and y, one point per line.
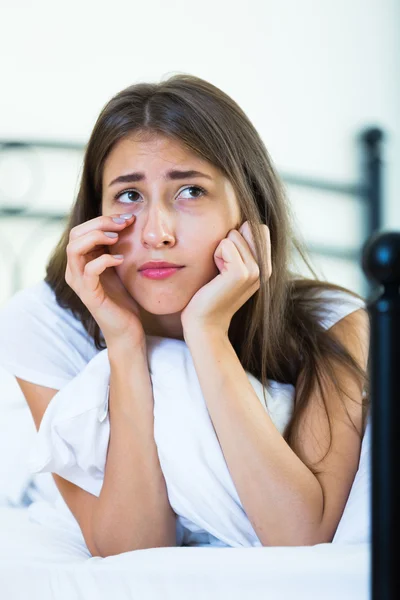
381	263
372	139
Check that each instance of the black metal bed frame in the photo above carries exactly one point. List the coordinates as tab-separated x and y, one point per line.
380	258
381	263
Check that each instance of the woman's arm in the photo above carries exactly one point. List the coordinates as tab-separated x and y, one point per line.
133	511
285	502
79	501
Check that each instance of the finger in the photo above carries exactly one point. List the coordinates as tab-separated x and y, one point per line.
86	247
246	233
227	254
104	223
245	252
95	268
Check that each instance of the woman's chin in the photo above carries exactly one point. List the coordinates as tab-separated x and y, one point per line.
159	306
158	309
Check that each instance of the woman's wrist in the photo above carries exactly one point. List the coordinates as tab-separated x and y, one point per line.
125	347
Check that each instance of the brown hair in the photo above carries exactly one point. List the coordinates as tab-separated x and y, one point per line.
277	331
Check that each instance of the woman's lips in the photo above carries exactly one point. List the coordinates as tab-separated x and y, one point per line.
160	273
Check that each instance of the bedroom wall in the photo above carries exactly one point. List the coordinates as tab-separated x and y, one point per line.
309	74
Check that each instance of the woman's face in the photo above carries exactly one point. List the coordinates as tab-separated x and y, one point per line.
176	221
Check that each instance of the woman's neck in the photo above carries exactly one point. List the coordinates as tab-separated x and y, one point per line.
168	326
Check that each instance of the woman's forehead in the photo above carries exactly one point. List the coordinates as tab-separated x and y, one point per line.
155	158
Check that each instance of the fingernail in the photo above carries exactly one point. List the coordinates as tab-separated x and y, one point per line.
111	234
118	220
126	216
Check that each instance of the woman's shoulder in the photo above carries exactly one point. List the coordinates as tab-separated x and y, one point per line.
39	302
40	340
335	304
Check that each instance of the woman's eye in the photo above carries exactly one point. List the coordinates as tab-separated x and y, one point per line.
195	187
191	187
120	194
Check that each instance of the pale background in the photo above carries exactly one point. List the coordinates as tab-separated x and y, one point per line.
310	74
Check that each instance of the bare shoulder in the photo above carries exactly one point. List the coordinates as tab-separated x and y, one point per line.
354	332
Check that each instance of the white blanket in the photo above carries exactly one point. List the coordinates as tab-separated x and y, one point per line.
48	563
73	438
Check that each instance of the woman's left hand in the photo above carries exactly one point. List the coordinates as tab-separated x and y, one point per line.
213	305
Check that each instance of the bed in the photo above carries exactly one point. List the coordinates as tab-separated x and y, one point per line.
35	564
50	562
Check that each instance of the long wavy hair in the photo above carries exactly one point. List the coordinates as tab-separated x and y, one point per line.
277	332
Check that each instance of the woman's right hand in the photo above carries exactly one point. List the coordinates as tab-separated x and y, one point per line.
91	275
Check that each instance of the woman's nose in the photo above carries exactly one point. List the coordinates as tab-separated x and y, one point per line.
158	228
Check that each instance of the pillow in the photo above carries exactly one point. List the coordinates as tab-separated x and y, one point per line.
74	436
355	525
19	487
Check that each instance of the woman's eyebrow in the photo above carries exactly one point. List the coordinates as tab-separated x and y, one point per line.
173	174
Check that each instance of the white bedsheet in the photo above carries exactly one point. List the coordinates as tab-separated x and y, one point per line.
43	563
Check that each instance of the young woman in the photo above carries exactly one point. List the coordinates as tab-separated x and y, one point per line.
174	172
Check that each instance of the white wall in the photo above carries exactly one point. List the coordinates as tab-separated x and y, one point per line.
309	73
